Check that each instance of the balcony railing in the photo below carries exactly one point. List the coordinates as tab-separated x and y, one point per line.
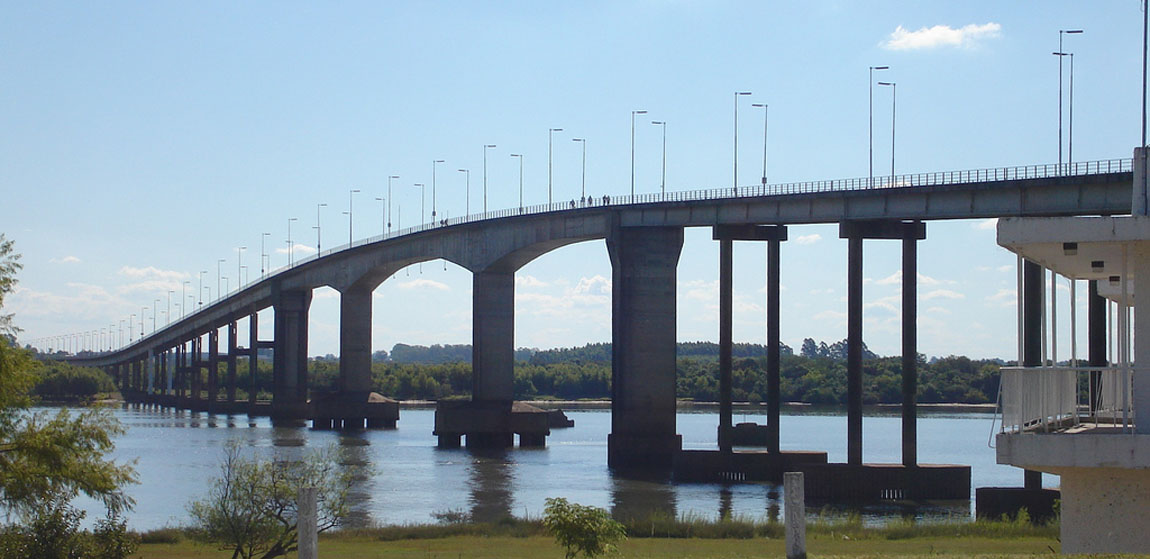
1048	399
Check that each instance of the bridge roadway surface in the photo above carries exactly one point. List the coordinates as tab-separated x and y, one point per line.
644	236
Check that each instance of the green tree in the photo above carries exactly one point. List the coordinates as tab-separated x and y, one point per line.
9	265
251	508
581	529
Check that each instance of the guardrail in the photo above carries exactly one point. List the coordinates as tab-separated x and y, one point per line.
1051	398
970	176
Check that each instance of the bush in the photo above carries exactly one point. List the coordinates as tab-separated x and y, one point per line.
581	529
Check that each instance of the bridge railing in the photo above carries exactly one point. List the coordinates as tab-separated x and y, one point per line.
997	174
1053	398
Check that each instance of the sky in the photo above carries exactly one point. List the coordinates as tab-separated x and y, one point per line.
143	142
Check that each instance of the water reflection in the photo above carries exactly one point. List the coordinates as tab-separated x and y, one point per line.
355	460
490	480
638	499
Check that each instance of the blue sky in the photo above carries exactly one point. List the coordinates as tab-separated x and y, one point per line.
144	141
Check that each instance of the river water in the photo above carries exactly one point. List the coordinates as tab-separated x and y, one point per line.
177	453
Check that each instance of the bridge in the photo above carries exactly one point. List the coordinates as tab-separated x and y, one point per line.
644	236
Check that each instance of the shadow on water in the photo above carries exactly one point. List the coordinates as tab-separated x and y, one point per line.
491	476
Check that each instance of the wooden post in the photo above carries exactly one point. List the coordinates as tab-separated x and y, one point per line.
795	515
306	526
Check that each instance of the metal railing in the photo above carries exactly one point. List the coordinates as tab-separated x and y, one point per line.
1053	398
915	180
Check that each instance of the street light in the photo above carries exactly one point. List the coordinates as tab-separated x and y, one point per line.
433	164
263	253
550	133
584	180
737	95
184	295
202	272
318	230
219	271
170	292
663	184
1070	153
520	156
350	193
633	113
239	263
389	179
893	99
291	247
1061	53
870	124
766	112
485	148
467	190
382	215
422	203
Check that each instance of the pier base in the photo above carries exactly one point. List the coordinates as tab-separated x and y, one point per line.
490	424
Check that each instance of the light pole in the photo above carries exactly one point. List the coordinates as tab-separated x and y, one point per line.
389	179
131	326
467	190
219	272
120	334
633	113
318	230
433	166
584	179
870	124
170	292
263	253
766	112
202	272
893	100
291	247
239	264
663	184
350	194
550	133
1061	53
184	296
422	203
485	148
382	215
737	95
520	156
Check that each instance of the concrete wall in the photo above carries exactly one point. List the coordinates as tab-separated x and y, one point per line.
1105	510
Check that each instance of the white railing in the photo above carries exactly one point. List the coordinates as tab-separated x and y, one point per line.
1052	398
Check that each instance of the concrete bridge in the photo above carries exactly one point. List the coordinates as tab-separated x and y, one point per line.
644	236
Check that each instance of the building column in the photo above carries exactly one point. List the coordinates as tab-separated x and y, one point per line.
1032	299
355	344
493	336
643	321
290	364
854	349
233	350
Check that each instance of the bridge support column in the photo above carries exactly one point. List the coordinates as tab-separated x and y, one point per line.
643	270
253	358
1033	295
1096	341
909	348
354	406
233	350
213	369
290	365
854	350
774	391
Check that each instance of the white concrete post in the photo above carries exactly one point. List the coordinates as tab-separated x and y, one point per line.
1141	404
795	515
1140	205
307	524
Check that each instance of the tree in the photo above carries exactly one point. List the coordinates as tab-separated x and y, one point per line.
581	529
9	265
251	508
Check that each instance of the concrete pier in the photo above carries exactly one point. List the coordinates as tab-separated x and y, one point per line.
643	263
290	364
493	336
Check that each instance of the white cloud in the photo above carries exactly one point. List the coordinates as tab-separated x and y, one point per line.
151	279
528	281
152	273
1006	268
937	310
65	260
896	279
942	294
986	224
299	249
940	36
808	239
424	283
1005	297
593	285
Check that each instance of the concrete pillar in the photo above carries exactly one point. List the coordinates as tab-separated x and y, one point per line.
213	366
197	374
493	336
290	365
1033	298
643	271
355	343
795	512
1096	340
726	303
774	391
253	356
307	528
1140	266
909	349
854	349
233	350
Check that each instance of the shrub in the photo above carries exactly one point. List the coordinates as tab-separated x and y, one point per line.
581	529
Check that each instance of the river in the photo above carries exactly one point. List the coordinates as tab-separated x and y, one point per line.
177	453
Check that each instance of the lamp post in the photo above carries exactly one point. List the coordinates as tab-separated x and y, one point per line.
422	203
143	311
584	174
170	292
219	272
870	124
1060	54
633	113
893	100
467	190
485	148
263	253
520	156
350	195
389	179
131	326
291	247
202	272
239	264
433	166
318	230
184	296
663	182
382	215
766	113
737	95
550	132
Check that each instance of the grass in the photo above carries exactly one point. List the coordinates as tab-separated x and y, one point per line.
662	536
